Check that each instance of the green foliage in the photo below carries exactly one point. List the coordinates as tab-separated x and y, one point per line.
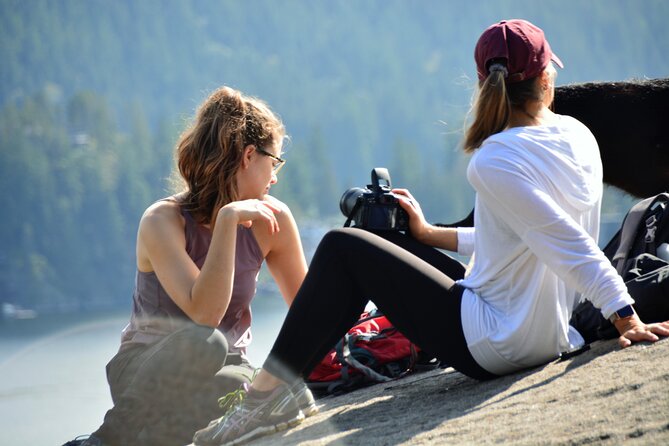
75	188
93	93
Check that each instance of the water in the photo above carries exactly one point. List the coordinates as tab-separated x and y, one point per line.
52	371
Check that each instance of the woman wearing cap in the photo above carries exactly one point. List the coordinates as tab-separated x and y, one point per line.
538	182
198	257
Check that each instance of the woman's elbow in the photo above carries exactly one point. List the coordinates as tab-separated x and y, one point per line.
202	310
209	318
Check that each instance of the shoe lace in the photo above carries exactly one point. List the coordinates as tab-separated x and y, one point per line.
236	415
235	398
232	400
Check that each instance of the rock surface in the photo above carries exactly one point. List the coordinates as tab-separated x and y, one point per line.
605	396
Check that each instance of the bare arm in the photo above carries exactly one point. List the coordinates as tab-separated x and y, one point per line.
204	295
421	230
285	258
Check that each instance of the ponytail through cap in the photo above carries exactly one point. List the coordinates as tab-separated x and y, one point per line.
520	44
499	67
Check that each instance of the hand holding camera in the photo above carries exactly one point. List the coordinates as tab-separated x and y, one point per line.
376	207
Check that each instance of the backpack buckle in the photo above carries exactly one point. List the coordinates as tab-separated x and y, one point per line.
651	228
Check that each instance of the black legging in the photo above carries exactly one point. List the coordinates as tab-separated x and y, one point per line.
411	283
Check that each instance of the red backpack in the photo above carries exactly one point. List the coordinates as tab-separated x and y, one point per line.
372	351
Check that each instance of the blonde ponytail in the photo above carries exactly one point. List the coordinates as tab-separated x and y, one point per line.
494	102
491	108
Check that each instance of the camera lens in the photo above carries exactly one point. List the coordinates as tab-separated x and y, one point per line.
347	201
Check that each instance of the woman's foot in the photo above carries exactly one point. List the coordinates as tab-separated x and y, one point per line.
304	397
260	413
302	393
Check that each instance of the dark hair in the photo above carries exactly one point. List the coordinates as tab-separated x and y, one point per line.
493	104
210	151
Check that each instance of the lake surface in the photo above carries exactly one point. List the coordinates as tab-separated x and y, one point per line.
53	385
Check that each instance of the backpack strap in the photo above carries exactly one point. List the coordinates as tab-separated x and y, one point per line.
339	351
349	342
631	226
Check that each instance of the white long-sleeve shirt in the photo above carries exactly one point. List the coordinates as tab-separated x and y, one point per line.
538	197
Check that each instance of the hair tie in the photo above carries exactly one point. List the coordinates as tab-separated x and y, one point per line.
498	67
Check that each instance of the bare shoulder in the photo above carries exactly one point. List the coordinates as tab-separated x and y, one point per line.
285	214
287	228
276	202
161	216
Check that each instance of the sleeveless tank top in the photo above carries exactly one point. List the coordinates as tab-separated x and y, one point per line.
155	315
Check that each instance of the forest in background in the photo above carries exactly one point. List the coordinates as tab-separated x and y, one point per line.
93	95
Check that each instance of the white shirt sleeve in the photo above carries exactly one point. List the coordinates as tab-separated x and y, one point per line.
466	238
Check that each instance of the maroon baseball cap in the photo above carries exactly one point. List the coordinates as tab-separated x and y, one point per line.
523	46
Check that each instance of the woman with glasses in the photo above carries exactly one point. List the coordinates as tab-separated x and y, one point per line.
198	256
538	182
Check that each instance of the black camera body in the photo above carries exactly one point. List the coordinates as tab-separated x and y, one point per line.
374	207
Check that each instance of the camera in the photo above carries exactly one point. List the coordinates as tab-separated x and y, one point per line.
374	207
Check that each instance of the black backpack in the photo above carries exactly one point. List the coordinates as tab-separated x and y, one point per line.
644	229
633	251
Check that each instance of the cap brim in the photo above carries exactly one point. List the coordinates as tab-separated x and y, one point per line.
557	60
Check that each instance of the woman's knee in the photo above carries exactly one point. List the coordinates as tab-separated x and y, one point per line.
336	236
345	239
338	244
202	342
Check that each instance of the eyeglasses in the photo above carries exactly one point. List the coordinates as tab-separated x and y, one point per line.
278	162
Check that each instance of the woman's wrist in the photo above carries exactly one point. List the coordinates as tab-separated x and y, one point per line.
624	318
443	238
227	214
624	324
419	235
426	234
